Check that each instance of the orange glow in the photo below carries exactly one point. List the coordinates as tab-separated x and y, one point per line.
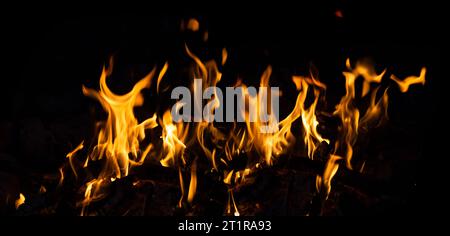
193	183
120	135
224	56
193	24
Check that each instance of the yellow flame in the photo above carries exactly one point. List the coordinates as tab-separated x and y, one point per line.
193	183
92	193
349	116
20	200
210	75
173	137
231	206
227	179
324	181
367	71
180	178
71	154
161	75
120	135
377	111
309	120
404	84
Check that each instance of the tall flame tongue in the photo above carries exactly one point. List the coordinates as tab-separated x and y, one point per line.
311	136
347	111
119	136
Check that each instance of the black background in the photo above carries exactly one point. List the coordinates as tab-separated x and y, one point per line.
49	50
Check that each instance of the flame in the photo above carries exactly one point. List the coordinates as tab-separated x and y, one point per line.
377	111
367	71
20	200
309	119
260	141
351	122
231	205
92	193
404	84
274	143
210	75
269	138
180	177
120	135
224	56
70	156
323	183
173	137
193	183
348	114
227	179
161	75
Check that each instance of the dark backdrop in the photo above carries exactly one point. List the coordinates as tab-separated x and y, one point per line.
49	50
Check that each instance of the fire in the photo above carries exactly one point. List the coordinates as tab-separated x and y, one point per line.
193	183
70	155
349	114
231	206
20	200
404	84
119	137
173	137
258	143
323	183
210	75
351	123
309	119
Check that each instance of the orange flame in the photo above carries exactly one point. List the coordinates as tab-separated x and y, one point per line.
121	133
404	84
193	183
20	200
119	137
173	137
70	156
323	183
